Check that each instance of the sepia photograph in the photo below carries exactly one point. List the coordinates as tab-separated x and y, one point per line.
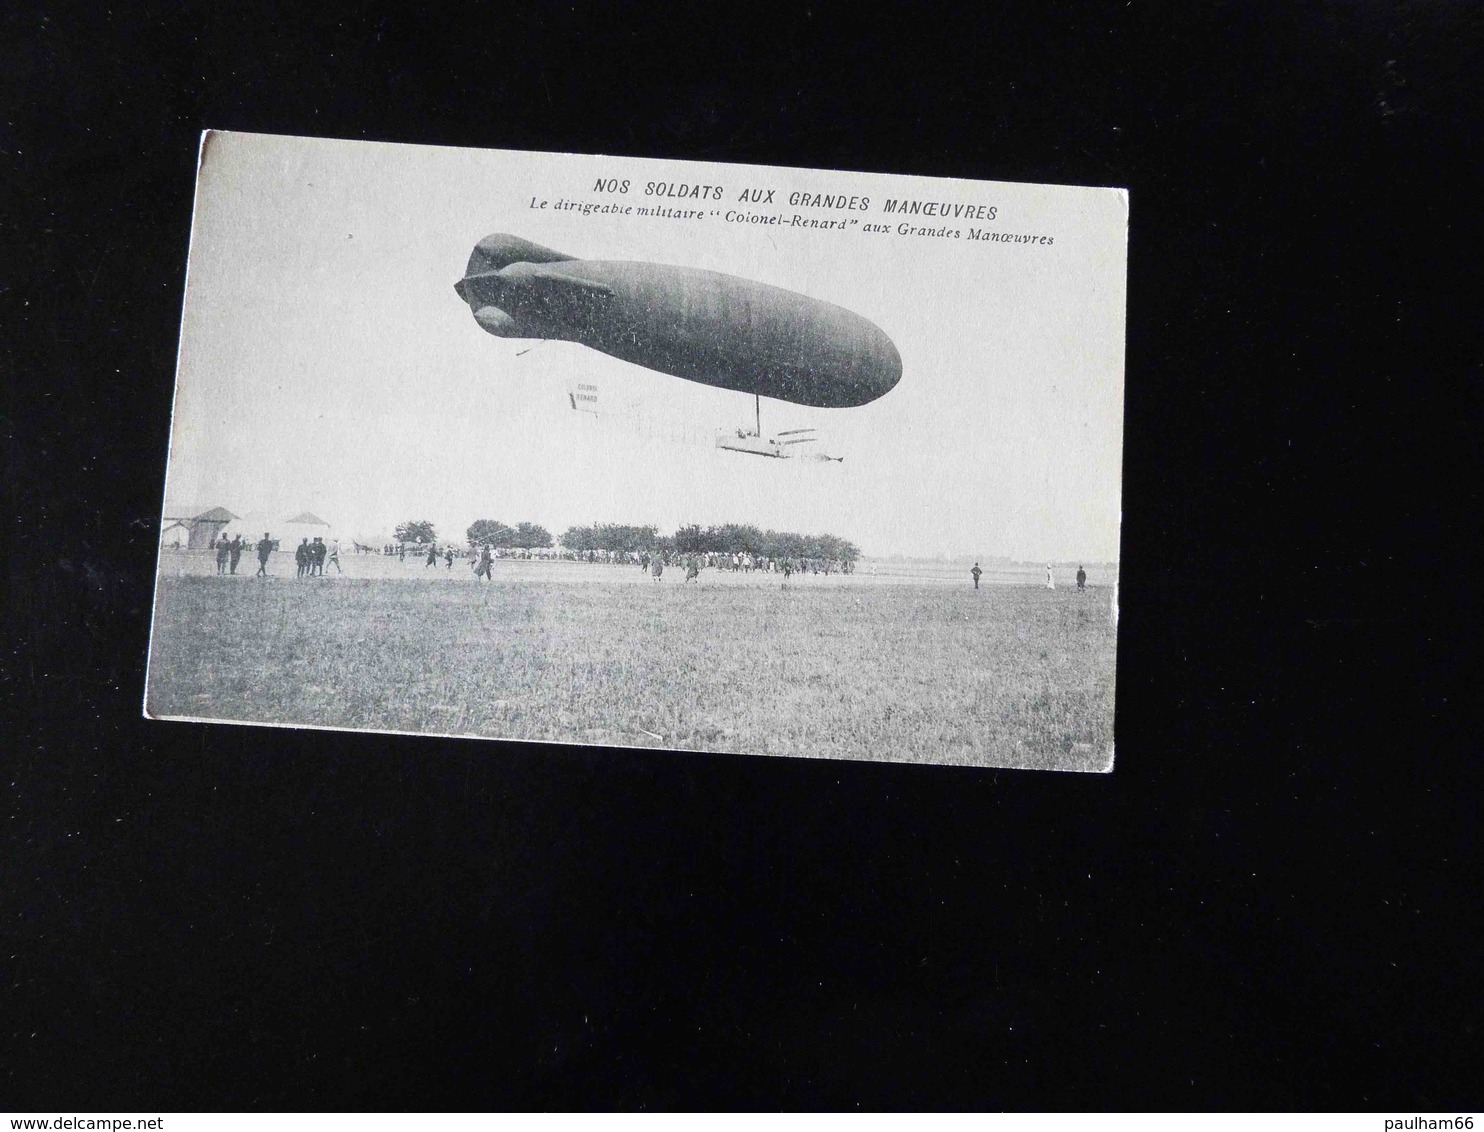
645	453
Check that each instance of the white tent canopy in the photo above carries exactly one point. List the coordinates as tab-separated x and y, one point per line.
302	525
175	535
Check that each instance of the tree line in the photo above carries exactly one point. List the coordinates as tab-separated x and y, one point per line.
624	538
728	538
495	534
615	538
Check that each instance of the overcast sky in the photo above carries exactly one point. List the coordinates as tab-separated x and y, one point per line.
327	364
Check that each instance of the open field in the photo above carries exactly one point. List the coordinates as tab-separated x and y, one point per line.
1013	675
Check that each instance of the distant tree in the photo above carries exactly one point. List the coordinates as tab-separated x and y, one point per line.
621	538
693	540
617	538
830	548
532	535
739	538
783	544
729	538
579	540
839	549
416	530
490	532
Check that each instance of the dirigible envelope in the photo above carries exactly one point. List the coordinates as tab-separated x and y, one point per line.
704	326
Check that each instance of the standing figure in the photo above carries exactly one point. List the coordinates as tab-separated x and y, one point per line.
235	552
432	555
657	568
223	548
301	557
335	556
1050	582
483	568
448	555
1081	578
692	570
265	548
401	552
976	572
318	550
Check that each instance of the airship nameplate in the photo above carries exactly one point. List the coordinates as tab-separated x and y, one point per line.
645	453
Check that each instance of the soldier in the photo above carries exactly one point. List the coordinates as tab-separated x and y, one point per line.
976	572
1081	578
484	568
335	556
657	568
265	548
317	555
692	570
301	557
448	555
432	555
235	552
223	548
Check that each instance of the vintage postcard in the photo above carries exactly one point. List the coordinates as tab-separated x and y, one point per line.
642	453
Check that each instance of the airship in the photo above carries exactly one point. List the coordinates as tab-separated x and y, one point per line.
702	326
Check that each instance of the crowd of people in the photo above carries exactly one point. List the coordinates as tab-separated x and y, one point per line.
739	562
734	563
310	558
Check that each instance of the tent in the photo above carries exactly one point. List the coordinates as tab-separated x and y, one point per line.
296	528
203	528
175	535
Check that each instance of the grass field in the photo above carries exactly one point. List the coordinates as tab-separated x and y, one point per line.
841	668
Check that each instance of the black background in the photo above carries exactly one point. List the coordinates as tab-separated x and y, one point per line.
1271	903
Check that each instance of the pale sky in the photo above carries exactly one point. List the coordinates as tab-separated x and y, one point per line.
327	364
